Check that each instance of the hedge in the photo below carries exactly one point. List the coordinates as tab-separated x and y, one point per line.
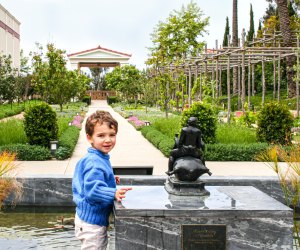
67	143
158	139
87	99
213	152
112	99
233	152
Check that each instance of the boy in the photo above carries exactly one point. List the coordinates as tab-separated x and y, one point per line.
94	184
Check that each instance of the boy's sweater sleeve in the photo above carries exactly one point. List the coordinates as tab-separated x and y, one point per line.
95	187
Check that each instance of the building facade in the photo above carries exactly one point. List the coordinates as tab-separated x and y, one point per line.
98	57
10	36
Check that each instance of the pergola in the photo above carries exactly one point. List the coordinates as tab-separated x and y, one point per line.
211	63
98	57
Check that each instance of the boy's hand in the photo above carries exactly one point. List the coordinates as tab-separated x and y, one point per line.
117	178
120	193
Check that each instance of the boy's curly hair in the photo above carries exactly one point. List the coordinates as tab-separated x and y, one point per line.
100	117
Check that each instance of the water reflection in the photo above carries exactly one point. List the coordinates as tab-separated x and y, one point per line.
193	202
158	198
40	230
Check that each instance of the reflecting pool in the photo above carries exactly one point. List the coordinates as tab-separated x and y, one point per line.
40	228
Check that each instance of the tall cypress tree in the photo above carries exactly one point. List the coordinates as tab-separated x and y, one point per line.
226	33
259	30
250	34
291	9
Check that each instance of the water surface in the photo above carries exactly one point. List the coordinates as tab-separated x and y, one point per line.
40	228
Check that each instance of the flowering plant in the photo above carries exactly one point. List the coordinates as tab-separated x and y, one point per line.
77	120
134	120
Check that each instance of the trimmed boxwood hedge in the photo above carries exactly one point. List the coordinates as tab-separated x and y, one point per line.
213	152
26	152
112	99
233	152
158	139
67	143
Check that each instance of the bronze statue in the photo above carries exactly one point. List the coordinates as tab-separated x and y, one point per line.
186	159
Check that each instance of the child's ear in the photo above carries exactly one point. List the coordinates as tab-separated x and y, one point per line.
89	138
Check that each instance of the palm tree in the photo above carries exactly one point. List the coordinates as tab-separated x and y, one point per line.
235	41
285	28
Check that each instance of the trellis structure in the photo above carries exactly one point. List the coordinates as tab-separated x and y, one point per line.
213	62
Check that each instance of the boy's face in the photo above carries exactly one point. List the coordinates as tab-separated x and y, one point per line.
103	138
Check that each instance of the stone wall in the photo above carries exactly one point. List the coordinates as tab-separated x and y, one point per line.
57	190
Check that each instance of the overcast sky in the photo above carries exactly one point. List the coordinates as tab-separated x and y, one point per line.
121	25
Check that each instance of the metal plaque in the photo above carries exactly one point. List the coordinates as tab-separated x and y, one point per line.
204	237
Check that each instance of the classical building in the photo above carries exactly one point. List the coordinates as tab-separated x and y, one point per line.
98	57
10	36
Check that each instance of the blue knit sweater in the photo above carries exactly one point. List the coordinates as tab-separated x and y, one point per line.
94	188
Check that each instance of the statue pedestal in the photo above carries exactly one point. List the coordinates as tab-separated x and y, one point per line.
231	217
185	188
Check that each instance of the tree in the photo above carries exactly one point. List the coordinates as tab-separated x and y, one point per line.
147	89
125	79
251	31
98	77
23	80
235	36
270	11
53	81
226	33
286	31
178	37
7	79
271	25
274	124
82	83
291	9
173	41
259	30
24	67
235	42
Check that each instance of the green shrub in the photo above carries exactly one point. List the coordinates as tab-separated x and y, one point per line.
233	152
68	140
153	135
274	124
165	146
206	119
40	124
159	140
63	153
246	119
112	99
26	152
145	130
87	99
12	132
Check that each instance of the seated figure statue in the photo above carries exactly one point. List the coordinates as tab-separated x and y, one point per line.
188	147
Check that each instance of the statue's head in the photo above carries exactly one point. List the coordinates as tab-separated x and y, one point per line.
192	121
